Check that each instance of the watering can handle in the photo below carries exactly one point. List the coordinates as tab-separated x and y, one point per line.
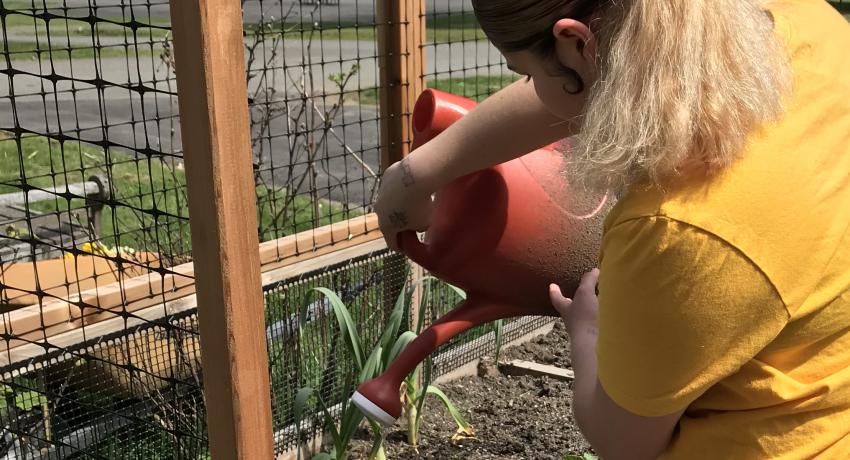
409	244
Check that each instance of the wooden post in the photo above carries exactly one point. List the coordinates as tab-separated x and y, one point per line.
401	35
213	99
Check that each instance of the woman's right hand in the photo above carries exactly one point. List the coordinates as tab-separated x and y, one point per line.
403	202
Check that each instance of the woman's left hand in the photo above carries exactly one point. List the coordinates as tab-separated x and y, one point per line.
580	312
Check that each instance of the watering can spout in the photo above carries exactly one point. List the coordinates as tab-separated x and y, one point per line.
379	398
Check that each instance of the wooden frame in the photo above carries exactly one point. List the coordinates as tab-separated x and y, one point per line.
41	321
401	56
75	337
213	102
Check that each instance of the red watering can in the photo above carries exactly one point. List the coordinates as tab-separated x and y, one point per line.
502	235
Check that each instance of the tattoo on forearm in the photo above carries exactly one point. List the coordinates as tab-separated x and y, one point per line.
406	173
398	219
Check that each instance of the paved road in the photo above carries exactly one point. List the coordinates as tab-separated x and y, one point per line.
61	94
289	63
285	158
342	11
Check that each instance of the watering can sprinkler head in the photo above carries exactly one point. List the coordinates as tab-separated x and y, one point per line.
502	234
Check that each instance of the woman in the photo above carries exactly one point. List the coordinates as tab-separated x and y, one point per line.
722	324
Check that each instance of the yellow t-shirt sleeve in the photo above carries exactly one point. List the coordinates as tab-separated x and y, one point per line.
679	310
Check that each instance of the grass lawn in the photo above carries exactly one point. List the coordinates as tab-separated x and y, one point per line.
32	51
27	24
150	212
475	87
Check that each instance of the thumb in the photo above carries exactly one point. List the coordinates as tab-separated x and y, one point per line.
559	301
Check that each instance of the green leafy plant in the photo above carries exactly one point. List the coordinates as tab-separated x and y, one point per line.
23	399
498	330
389	345
586	456
369	365
414	393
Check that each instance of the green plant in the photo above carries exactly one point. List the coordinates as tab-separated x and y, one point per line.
389	345
370	364
498	327
586	456
22	399
414	393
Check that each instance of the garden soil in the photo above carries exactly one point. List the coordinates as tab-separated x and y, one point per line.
514	417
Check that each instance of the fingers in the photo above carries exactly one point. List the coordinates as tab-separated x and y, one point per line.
390	236
391	226
394	222
559	301
588	283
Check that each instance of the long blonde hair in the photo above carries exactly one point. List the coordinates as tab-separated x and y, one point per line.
682	85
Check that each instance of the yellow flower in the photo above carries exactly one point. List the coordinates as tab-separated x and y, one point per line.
101	249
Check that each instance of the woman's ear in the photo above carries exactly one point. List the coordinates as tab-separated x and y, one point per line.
576	35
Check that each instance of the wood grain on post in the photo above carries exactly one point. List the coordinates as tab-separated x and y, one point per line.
210	69
401	36
401	58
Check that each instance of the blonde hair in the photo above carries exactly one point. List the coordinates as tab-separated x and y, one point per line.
682	85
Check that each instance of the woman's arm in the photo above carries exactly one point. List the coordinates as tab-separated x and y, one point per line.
614	432
679	310
505	126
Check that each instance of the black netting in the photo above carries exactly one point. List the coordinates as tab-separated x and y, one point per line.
313	85
100	350
93	231
460	60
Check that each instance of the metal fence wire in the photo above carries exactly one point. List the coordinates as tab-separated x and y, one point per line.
97	360
305	346
99	344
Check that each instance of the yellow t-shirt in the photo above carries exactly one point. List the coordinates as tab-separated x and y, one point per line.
731	297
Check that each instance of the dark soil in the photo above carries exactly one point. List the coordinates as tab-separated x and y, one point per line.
552	349
514	417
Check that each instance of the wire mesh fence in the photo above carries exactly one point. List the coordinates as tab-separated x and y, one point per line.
94	237
306	349
459	58
312	80
100	349
133	393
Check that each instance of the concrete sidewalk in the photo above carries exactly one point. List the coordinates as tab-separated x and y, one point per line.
287	62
